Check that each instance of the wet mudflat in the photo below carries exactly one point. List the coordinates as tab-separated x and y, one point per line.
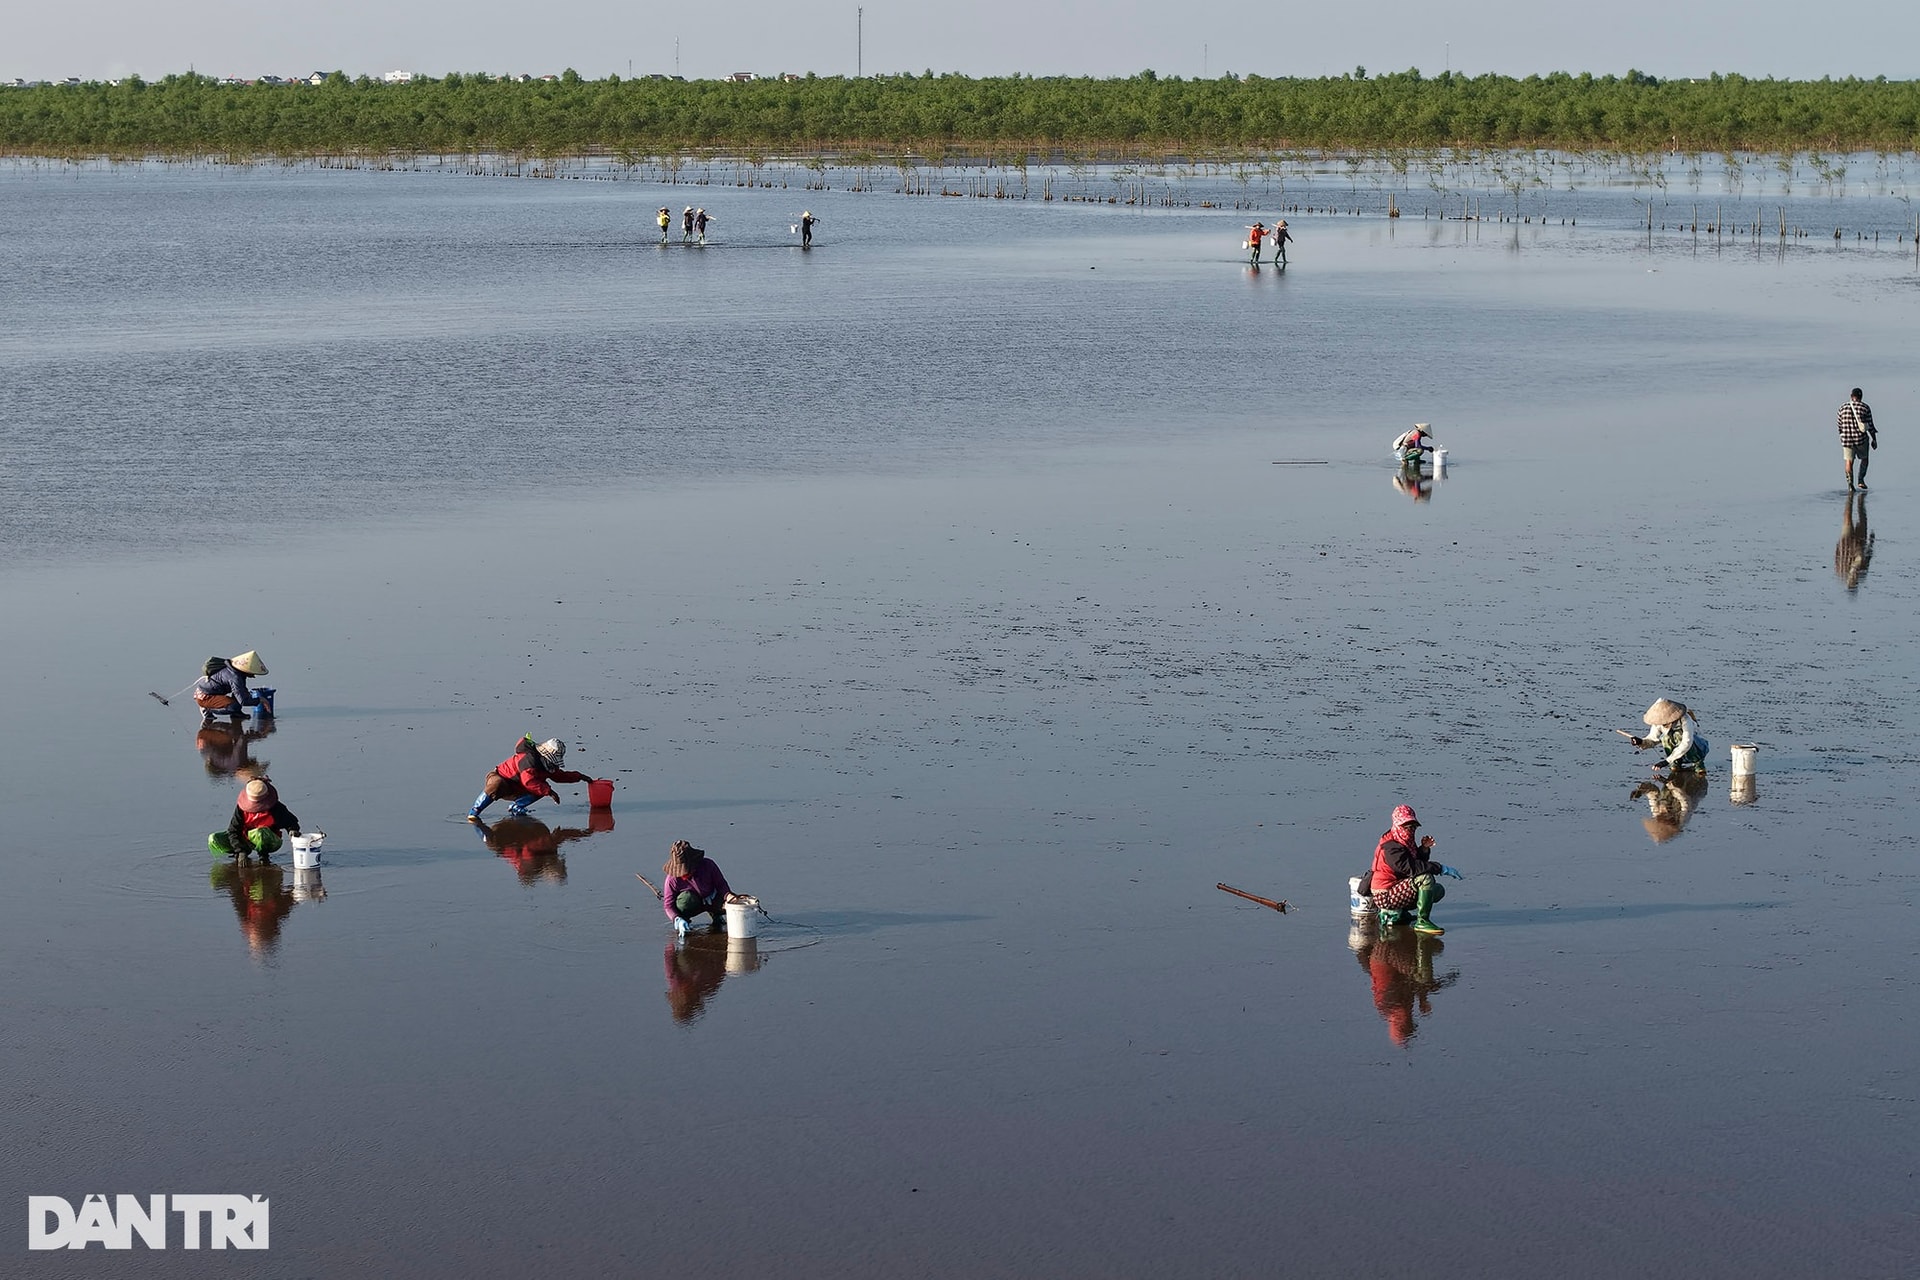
946	593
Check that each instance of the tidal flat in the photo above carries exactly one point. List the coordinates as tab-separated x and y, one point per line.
941	583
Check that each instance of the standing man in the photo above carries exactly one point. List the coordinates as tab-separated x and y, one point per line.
686	226
1255	234
1857	438
700	221
806	229
1280	238
665	219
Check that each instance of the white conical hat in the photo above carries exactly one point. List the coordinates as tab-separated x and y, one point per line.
553	751
249	662
1663	713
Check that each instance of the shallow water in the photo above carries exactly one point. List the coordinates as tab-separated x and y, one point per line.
941	584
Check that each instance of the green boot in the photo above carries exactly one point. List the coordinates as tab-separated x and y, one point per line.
1421	924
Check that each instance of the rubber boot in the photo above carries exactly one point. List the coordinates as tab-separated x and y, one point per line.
1421	924
1390	917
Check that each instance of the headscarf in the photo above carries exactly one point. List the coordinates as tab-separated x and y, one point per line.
683	859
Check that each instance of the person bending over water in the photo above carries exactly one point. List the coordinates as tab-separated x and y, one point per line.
524	777
694	886
222	688
1679	746
257	824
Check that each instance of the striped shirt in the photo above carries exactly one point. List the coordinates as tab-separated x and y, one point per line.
1856	421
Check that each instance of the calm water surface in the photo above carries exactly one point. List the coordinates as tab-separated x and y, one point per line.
941	583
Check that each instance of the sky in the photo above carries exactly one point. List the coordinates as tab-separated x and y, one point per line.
102	39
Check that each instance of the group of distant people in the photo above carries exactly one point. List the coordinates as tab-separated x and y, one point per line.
693	225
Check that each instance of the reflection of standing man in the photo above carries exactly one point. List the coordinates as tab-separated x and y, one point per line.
1854	552
1857	438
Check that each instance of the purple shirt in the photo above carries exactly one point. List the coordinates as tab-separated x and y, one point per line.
705	882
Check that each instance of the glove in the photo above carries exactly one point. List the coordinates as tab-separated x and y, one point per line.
680	926
1449	871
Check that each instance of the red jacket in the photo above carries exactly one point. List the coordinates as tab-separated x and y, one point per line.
1395	859
527	768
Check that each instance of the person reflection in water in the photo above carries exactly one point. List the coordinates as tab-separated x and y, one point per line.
1672	802
695	970
1400	964
260	898
1416	486
224	749
1854	552
533	848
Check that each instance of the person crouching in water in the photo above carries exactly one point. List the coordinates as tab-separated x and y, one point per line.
1404	876
222	688
1413	447
693	886
258	823
1679	745
524	777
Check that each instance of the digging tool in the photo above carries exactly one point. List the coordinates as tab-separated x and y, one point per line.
1281	906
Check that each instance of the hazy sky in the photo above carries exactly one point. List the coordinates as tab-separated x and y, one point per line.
97	39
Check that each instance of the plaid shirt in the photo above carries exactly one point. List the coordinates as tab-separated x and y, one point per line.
1856	421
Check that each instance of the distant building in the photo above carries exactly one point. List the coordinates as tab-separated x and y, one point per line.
742	77
398	77
318	77
790	77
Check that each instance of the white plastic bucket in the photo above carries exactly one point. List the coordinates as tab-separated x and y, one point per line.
743	918
1743	754
1356	900
1439	460
306	850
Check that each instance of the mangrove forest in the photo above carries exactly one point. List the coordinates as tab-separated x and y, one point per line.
1137	116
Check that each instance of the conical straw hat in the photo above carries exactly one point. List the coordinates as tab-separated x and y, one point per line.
249	662
1664	713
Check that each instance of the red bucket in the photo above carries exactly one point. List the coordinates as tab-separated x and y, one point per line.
600	793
